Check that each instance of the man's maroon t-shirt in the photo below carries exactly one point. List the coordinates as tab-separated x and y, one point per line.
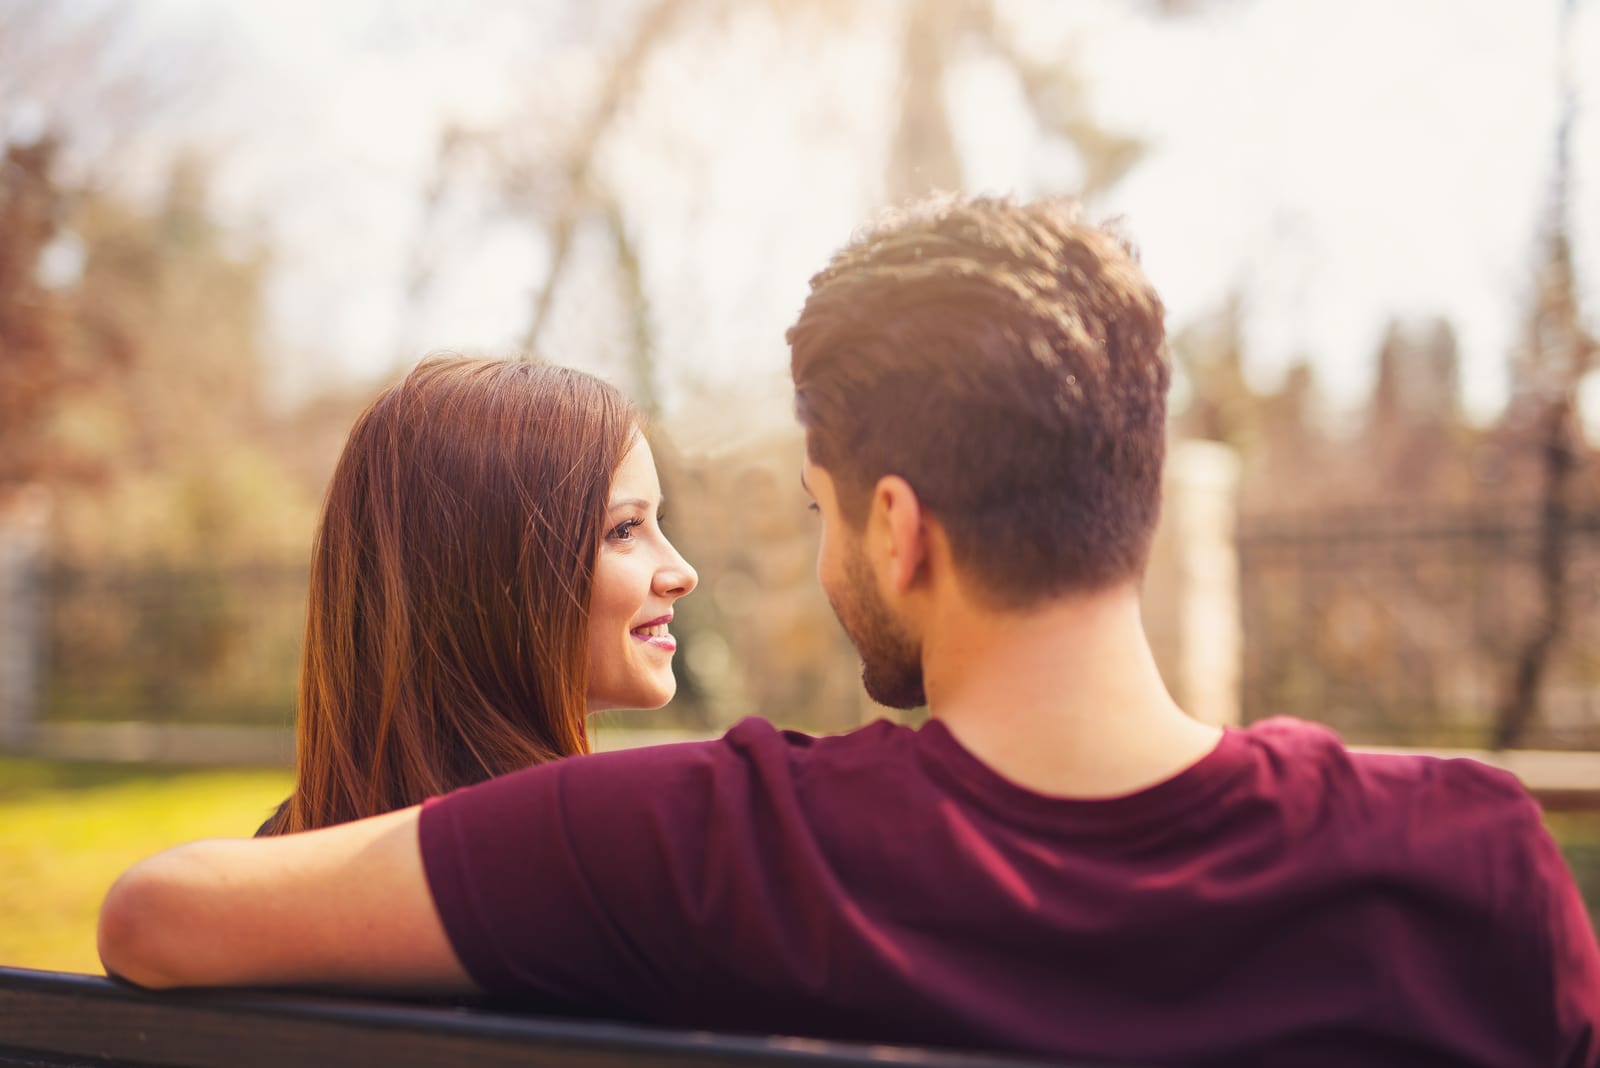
1283	901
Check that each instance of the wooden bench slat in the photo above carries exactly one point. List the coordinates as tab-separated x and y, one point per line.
59	1020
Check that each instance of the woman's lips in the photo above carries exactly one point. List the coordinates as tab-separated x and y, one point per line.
654	634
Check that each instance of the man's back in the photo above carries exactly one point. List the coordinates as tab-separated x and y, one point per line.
1282	900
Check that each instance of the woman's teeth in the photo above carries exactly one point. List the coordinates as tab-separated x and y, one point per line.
659	630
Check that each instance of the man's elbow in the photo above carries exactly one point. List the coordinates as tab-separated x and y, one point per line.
142	927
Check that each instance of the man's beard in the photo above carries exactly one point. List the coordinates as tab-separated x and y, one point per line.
891	662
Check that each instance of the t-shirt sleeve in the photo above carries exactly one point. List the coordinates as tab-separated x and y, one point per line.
1540	897
602	881
1574	956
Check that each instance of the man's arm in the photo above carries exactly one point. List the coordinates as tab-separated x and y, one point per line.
347	907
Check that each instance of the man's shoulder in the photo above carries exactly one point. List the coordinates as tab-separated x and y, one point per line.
1425	806
1317	750
781	759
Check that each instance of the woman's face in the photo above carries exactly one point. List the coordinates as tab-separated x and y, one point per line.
637	577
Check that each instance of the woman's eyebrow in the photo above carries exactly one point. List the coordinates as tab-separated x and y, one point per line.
631	502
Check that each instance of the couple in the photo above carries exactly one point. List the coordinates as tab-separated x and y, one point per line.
1060	862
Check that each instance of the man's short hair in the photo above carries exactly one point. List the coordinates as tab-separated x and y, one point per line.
1008	361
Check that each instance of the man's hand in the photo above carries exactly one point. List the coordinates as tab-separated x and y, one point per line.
346	908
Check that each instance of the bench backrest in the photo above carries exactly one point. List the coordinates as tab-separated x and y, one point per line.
59	1019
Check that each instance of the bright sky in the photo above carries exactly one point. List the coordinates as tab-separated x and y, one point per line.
1341	160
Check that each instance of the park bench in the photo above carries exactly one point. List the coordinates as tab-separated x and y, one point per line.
58	1020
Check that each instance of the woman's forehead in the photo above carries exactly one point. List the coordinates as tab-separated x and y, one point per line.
635	479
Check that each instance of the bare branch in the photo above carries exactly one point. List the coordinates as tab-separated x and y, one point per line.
580	196
631	283
1560	352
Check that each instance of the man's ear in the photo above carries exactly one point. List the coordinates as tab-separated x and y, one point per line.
898	532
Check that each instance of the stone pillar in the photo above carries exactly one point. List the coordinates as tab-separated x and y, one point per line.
24	526
1191	596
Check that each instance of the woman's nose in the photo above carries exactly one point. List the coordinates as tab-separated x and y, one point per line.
676	576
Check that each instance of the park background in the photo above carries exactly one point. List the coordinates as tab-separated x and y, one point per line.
224	226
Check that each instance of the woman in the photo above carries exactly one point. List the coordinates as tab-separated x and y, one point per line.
490	568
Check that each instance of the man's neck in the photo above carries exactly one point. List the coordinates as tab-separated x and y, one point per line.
1065	700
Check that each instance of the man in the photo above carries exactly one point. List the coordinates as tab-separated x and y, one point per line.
1060	862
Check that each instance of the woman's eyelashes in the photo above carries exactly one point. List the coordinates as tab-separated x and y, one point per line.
623	531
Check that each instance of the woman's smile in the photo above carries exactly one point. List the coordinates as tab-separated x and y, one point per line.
654	633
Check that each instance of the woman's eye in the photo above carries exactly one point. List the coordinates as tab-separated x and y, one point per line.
624	531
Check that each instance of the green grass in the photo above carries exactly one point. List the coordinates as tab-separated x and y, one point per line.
68	830
1579	836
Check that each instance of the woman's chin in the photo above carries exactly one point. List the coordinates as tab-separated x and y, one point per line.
643	701
660	699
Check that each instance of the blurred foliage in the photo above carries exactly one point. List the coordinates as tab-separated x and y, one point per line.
1471	570
137	402
552	168
1410	441
132	398
31	372
193	644
1396	624
131	383
159	444
131	367
1395	563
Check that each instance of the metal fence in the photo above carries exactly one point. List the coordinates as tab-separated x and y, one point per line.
1394	627
1402	626
164	645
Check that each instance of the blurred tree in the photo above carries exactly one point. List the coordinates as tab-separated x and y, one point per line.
130	378
551	176
1294	461
1287	459
1415	440
1419	379
62	92
1220	405
31	207
130	388
68	73
1557	353
936	35
163	328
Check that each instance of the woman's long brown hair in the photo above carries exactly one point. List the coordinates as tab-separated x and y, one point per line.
446	629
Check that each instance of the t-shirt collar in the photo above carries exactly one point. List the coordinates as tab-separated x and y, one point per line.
1222	766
